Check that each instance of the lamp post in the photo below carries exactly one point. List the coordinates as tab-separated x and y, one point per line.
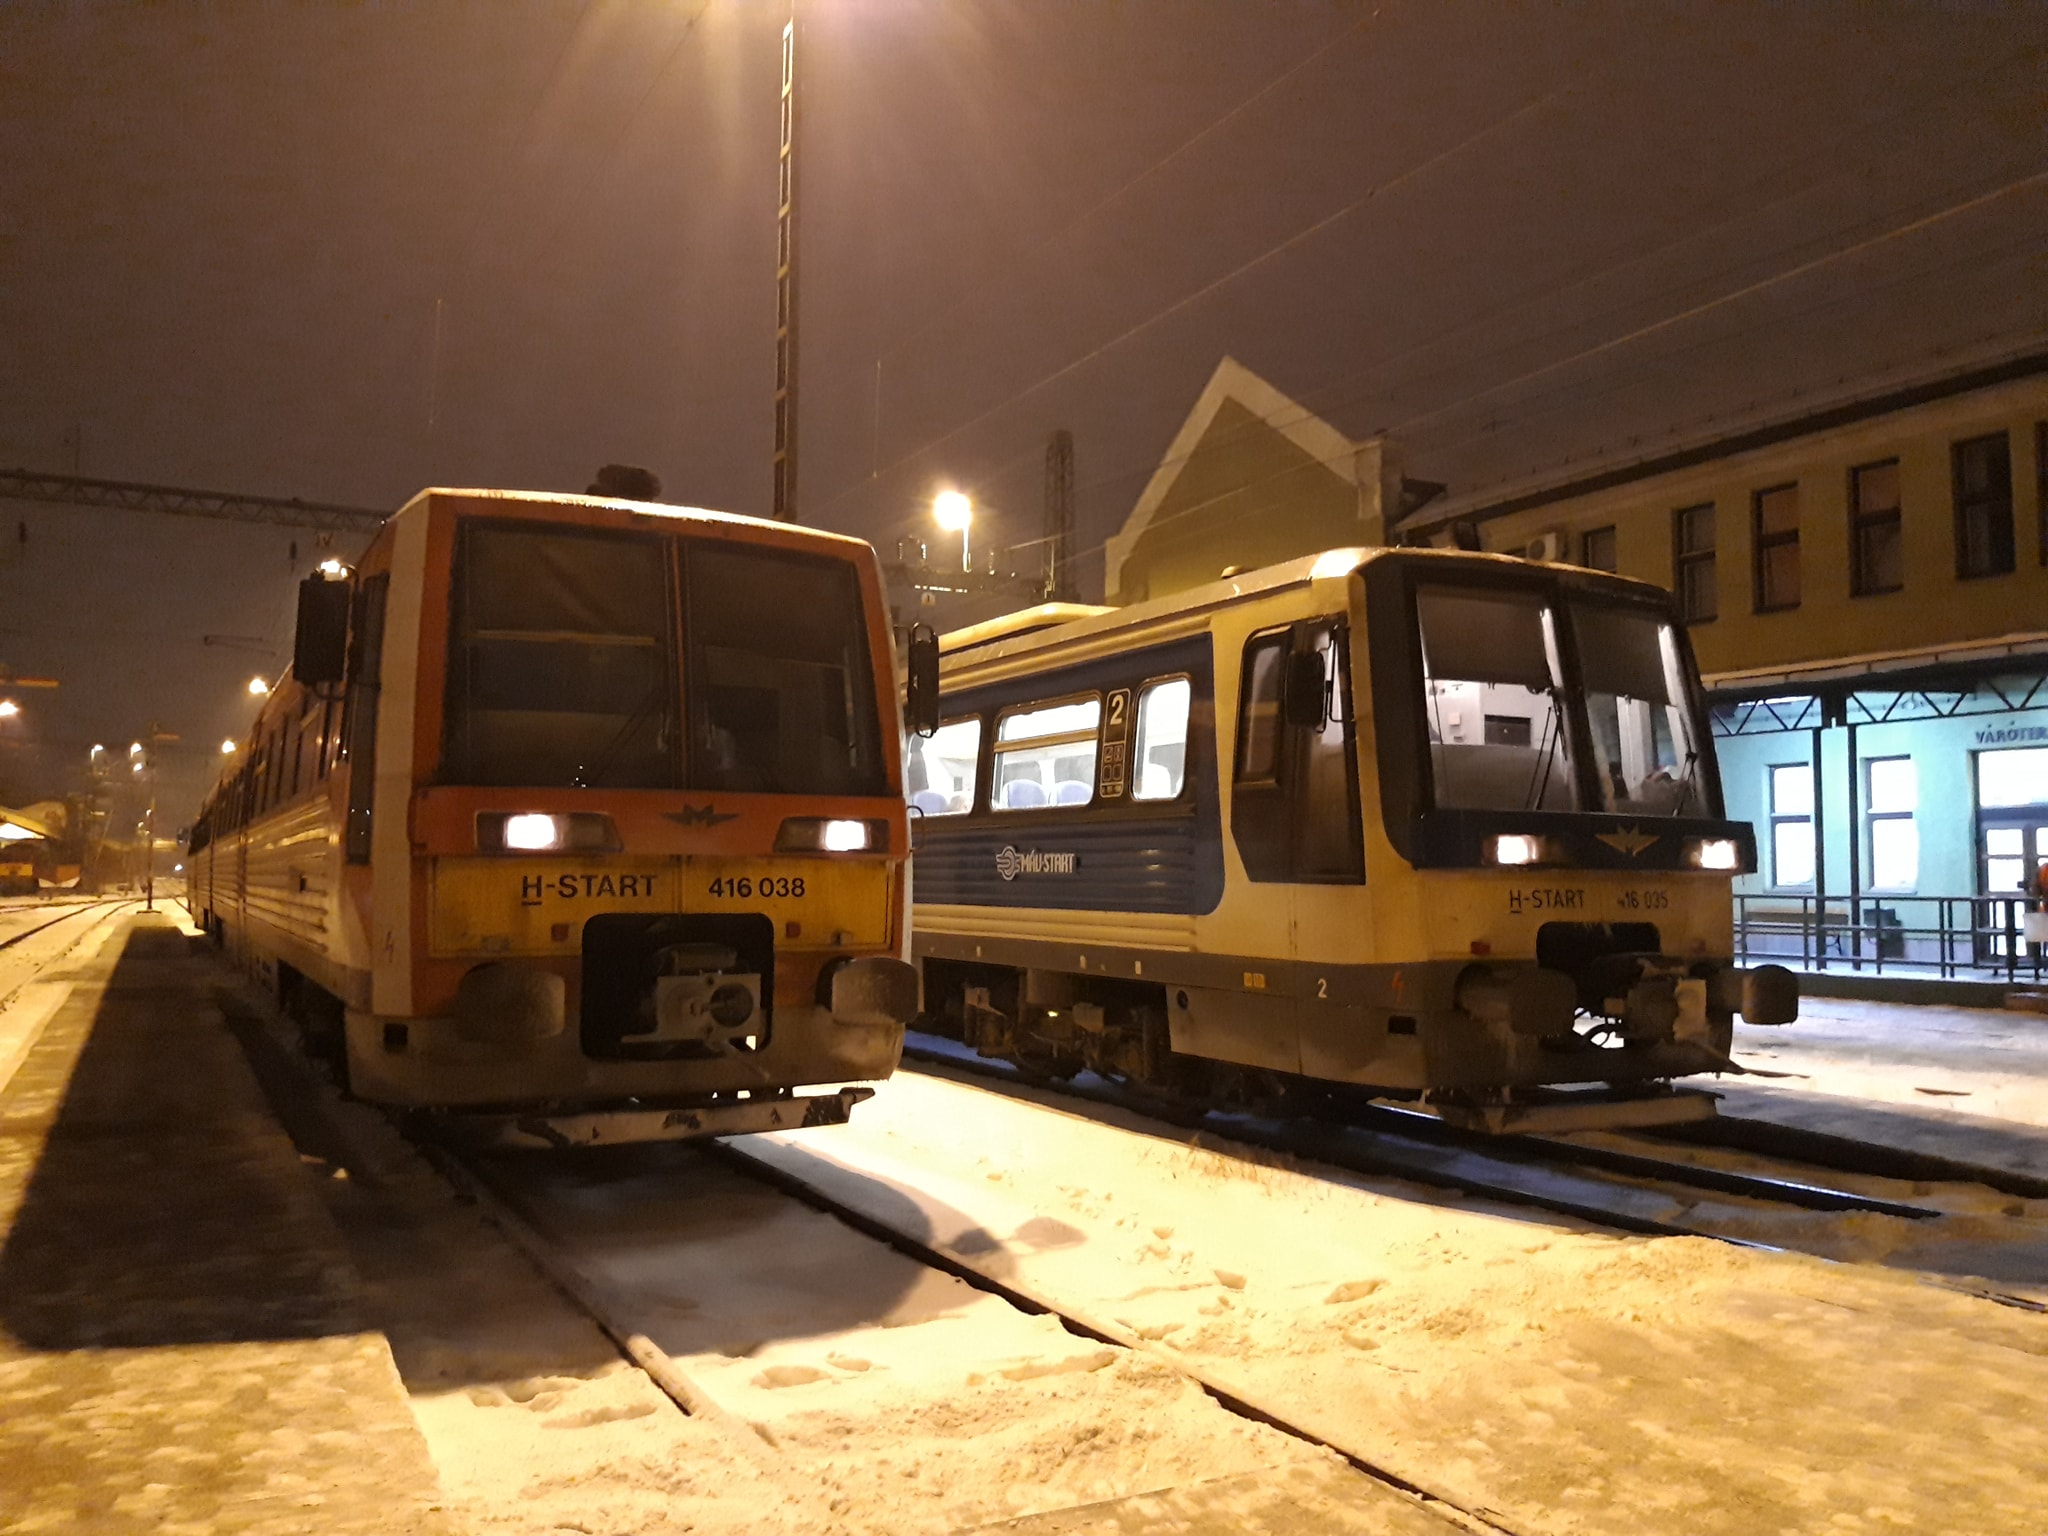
955	514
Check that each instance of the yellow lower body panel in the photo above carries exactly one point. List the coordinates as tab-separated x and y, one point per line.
492	907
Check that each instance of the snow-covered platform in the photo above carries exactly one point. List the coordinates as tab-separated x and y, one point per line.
1963	1083
181	1344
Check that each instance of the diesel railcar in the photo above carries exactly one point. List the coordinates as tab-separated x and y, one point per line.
580	820
1429	824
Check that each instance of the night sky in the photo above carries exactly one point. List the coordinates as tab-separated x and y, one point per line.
344	253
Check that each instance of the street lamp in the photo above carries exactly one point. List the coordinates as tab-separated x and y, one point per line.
955	514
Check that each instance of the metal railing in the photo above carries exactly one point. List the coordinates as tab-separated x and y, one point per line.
1976	937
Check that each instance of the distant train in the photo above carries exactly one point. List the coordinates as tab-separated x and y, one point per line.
580	820
1423	823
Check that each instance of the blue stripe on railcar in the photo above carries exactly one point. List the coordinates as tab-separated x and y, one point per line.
1116	856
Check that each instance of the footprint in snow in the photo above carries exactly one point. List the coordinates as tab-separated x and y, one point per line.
790	1376
1352	1290
588	1418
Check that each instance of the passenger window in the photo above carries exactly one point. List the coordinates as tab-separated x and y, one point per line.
1162	750
1045	755
938	780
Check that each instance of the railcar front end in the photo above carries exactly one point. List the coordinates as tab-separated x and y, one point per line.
1425	823
615	845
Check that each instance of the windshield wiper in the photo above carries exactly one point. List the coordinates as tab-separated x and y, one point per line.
1678	805
611	749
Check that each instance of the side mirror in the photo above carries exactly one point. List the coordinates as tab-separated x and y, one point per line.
921	690
320	649
1305	692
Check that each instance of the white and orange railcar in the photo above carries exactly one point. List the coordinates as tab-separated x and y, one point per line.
580	820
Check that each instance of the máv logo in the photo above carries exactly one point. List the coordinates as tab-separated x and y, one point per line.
1010	863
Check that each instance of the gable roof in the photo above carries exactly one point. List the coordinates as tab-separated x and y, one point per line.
1232	382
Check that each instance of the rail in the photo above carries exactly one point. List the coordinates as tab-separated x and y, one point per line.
1972	937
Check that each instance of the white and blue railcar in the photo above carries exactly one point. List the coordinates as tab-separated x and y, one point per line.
1426	823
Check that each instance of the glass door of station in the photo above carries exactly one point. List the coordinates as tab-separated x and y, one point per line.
2012	837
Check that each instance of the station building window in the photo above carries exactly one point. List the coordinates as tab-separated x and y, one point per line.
1045	754
1982	474
1775	528
1162	748
1876	561
1792	850
1892	795
1692	563
1596	549
940	775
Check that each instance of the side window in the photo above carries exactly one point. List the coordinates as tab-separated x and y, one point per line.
1258	708
1160	763
1045	754
938	778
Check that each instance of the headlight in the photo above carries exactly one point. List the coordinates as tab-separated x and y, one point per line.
540	832
1517	848
1717	853
816	834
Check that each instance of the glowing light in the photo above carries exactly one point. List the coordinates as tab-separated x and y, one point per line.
177	869
135	749
532	832
1717	853
137	768
258	687
10	833
9	709
953	511
845	836
333	568
1335	562
1514	848
227	748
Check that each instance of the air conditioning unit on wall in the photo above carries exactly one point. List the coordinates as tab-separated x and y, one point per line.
1547	547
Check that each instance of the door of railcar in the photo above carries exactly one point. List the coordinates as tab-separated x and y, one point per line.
1295	819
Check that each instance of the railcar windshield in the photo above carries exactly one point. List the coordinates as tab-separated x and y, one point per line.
1507	731
596	658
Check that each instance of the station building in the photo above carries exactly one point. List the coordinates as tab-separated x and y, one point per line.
1866	587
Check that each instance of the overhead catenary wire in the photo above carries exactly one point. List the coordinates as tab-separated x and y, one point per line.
1736	205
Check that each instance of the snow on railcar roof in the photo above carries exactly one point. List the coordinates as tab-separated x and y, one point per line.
619	504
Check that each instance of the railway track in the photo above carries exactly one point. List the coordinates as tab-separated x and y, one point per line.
1627	1191
614	1312
609	1273
97	912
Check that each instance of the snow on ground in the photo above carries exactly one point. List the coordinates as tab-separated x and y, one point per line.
1569	1381
1979	1061
905	1399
